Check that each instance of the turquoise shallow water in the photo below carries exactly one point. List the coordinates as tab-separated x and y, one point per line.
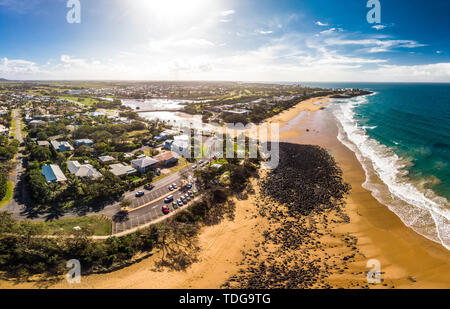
414	121
401	136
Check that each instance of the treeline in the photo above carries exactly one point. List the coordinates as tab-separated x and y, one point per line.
3	184
8	147
24	253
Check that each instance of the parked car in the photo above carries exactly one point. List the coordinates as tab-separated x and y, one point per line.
149	187
165	209
200	162
180	203
174	185
171	188
191	194
140	193
174	205
168	199
194	166
189	186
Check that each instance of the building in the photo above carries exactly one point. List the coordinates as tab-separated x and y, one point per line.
61	146
121	169
97	114
86	170
166	158
168	144
43	143
106	159
36	122
144	164
4	130
53	173
161	137
238	111
84	141
181	144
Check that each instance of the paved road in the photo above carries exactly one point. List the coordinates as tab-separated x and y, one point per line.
16	177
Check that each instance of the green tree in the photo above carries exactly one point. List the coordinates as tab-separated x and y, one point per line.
41	153
3	185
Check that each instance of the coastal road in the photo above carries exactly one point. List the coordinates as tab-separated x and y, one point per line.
16	177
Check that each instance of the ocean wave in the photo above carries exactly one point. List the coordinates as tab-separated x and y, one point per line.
419	208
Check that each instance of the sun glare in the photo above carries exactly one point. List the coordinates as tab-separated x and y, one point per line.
171	12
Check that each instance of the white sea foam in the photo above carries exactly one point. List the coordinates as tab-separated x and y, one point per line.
419	208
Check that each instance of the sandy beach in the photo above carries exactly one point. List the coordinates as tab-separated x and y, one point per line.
407	259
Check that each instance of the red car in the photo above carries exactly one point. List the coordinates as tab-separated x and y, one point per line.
165	209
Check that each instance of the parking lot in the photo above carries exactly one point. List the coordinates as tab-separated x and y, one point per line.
150	212
152	195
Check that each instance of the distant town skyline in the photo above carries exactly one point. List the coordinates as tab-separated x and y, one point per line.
249	40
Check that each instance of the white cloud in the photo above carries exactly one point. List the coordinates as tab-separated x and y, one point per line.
379	27
226	16
375	45
438	52
329	31
264	32
437	72
319	23
228	12
17	67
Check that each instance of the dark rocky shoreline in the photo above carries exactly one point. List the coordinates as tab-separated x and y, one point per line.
301	199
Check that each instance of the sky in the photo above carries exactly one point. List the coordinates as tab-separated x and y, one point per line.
241	40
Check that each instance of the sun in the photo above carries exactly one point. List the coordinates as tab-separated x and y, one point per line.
170	12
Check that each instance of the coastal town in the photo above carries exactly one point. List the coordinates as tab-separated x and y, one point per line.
77	161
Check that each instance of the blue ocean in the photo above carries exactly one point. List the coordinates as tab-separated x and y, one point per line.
401	136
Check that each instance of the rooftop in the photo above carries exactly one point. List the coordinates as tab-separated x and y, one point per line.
53	173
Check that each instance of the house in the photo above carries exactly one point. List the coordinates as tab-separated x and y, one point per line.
144	164
238	111
161	137
84	141
36	122
97	114
168	144
86	170
106	159
181	144
61	146
121	169
166	158
4	130
43	143
53	173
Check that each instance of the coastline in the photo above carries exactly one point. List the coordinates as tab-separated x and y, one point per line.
408	260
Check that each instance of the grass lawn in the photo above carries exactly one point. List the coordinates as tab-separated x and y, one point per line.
182	163
8	195
84	101
98	225
134	133
13	127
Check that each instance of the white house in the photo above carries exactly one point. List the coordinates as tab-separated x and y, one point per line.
85	170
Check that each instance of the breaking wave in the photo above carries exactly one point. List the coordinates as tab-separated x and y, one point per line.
418	207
